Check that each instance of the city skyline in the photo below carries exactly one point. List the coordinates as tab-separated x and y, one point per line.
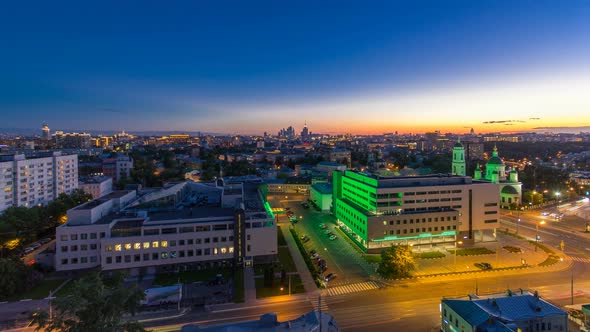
247	69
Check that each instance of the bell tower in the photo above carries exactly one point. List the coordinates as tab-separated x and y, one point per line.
458	167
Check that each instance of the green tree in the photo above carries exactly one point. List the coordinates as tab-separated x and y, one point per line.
397	261
16	277
94	305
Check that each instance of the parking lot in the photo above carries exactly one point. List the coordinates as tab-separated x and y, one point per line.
340	258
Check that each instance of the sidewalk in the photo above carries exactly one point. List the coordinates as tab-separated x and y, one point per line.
305	275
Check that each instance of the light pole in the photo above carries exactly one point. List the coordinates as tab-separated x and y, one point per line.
455	256
542	222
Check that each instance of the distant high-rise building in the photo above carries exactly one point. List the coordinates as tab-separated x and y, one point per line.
118	167
72	140
45	132
305	133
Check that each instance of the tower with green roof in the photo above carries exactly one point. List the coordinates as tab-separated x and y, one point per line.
458	167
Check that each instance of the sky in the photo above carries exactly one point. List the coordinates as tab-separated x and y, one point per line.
247	67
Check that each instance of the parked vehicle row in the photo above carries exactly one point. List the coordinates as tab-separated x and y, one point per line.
35	246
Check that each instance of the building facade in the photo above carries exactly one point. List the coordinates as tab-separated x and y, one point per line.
97	186
508	187
118	167
377	212
181	226
36	181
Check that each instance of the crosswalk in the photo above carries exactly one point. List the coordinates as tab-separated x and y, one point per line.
353	288
580	259
320	303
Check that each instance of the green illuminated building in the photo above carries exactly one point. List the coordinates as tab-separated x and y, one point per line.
419	210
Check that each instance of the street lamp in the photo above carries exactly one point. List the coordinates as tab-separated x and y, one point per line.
455	256
542	222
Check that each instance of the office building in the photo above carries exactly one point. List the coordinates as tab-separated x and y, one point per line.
36	181
97	186
183	225
117	167
377	211
510	311
45	132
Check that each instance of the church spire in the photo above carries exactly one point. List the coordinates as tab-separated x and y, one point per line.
495	153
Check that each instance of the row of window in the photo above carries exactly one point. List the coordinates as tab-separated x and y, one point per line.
83	236
81	260
411	221
165	243
417	230
169	254
83	247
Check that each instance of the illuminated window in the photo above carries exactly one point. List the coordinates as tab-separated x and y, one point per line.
127	246
231	250
155	244
214	251
164	244
223	250
164	255
117	247
146	245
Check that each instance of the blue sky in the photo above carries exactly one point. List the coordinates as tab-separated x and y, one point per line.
254	66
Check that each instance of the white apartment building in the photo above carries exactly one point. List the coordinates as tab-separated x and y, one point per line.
183	225
34	181
97	186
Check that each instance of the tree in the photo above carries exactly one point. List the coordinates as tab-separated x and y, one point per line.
16	277
397	261
94	305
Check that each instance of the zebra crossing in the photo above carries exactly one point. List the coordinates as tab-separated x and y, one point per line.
353	288
580	259
320	303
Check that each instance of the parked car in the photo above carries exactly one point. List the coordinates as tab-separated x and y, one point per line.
306	239
45	240
322	225
29	250
315	255
323	269
330	276
36	245
333	237
313	252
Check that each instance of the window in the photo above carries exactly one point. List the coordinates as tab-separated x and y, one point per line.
84	236
155	244
102	235
248	248
84	247
197	241
180	242
92	236
173	254
199	252
231	250
73	237
490	204
93	259
84	260
109	260
118	259
189	242
93	246
207	240
173	243
168	230
63	238
187	229
231	238
127	246
136	257
155	256
137	246
64	248
248	237
491	212
214	251
74	248
64	261
151	231
189	253
164	255
215	239
127	258
207	251
117	247
164	244
491	221
146	257
181	253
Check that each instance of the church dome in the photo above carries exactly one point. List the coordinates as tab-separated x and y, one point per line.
458	145
509	190
495	160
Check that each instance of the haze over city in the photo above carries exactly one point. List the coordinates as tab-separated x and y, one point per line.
249	68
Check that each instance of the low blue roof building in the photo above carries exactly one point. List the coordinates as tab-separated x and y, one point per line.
510	311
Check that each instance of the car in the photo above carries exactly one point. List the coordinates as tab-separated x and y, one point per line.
483	266
553	215
330	276
333	237
322	225
313	251
323	269
45	240
544	213
327	231
293	219
29	250
330	233
306	239
303	236
315	255
36	245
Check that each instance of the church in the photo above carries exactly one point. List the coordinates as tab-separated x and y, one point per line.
509	188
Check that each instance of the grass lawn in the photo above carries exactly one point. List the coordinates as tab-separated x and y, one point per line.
280	238
472	251
373	258
429	255
40	291
286	260
191	276
296	287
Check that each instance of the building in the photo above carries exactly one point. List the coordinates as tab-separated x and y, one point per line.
97	186
321	195
340	156
45	132
117	167
36	181
310	322
377	212
508	186
72	140
458	167
511	311
183	225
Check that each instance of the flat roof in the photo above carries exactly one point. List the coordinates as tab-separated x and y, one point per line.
189	213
